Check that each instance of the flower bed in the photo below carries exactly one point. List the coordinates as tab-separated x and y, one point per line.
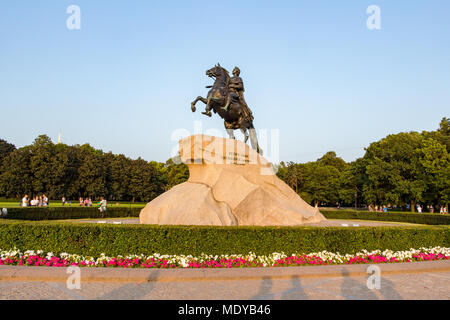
93	239
38	258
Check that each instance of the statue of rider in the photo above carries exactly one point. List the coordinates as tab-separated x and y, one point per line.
236	93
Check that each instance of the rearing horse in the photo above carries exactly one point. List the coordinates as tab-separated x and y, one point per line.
234	117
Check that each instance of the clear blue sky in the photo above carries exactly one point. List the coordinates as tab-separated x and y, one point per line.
311	69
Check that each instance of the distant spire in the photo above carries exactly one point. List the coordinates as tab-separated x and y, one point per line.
59	137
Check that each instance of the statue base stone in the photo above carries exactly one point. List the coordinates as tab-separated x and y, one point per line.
229	184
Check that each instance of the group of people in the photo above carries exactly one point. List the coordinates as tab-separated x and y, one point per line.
36	201
431	208
419	208
442	210
377	208
42	201
86	202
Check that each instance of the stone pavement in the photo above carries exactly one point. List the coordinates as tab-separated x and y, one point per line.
421	280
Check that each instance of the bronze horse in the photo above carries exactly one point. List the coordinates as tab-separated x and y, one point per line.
237	115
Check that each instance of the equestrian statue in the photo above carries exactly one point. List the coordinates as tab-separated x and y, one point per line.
226	98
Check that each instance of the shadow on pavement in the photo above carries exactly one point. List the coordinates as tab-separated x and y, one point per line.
352	289
266	286
387	290
132	291
296	291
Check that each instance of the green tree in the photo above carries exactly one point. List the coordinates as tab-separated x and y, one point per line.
16	177
442	135
91	178
291	174
319	183
394	171
444	132
118	176
331	159
142	181
64	171
5	149
176	173
281	171
351	183
41	164
161	178
435	160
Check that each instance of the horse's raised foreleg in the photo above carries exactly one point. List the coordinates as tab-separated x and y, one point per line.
197	100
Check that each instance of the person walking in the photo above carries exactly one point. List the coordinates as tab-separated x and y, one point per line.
102	207
25	201
44	200
63	201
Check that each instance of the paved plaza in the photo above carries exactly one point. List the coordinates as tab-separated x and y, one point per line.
403	281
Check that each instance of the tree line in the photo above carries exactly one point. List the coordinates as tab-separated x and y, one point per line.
400	169
82	171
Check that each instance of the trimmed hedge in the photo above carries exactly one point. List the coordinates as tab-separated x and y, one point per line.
70	213
94	239
419	218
